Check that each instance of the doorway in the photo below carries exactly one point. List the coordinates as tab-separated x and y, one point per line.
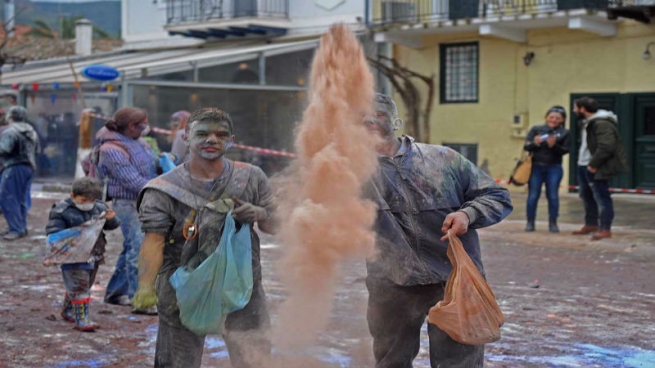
636	115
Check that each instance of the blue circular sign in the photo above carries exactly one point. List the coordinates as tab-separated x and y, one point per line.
100	72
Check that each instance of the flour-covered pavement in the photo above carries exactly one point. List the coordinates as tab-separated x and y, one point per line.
593	307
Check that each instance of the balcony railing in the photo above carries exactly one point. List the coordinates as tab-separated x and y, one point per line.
630	3
198	11
419	11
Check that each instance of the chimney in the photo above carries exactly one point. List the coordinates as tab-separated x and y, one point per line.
10	13
83	37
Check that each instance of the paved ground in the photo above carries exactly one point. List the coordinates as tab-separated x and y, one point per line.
593	307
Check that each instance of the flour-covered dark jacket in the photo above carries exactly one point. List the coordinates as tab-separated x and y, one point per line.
19	144
167	202
414	192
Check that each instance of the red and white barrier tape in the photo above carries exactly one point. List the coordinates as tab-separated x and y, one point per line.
263	151
613	190
160	130
98	116
266	151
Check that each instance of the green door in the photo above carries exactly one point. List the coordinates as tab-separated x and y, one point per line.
644	141
636	114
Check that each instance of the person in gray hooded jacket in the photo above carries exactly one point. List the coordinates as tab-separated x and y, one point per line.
422	191
19	144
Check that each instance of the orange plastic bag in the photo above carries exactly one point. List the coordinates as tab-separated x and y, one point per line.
469	313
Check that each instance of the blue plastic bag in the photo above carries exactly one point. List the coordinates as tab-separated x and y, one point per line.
166	163
218	286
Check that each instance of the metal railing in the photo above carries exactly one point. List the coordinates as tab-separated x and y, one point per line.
196	11
630	3
382	12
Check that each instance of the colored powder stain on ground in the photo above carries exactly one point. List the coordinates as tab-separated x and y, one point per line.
588	355
91	363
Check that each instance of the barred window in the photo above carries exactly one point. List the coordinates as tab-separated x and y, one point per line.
470	151
459	72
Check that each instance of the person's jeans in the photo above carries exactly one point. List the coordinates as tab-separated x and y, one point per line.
587	196
78	279
552	176
124	280
14	188
395	317
596	198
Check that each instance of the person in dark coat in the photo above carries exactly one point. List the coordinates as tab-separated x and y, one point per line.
82	206
602	157
19	145
547	143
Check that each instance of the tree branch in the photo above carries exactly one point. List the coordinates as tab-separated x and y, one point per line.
390	74
397	65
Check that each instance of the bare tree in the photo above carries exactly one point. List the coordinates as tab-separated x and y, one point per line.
417	121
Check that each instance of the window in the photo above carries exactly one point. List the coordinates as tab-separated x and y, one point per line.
459	72
470	151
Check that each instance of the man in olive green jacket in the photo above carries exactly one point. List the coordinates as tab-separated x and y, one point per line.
605	157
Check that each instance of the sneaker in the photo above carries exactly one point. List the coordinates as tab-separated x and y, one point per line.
123	300
585	230
152	311
13	236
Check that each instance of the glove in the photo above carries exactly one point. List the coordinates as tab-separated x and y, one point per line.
145	297
248	213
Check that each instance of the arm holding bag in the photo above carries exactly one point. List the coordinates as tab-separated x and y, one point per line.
469	313
220	285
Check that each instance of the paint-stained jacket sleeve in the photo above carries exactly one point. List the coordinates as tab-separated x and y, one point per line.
109	224
486	203
156	212
7	143
56	221
264	199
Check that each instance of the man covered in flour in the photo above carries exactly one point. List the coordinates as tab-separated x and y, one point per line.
422	191
182	214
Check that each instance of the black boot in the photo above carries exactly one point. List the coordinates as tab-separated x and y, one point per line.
552	225
530	225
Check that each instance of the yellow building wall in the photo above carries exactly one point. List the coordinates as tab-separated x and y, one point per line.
566	61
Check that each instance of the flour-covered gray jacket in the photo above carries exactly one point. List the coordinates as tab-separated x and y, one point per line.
414	192
19	144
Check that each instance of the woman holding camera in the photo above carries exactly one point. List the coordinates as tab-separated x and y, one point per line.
547	143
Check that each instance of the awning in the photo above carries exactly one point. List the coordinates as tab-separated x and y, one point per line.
136	65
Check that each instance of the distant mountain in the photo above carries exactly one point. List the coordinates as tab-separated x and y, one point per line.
105	14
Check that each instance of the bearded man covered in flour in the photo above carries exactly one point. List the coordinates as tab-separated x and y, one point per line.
182	214
422	191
